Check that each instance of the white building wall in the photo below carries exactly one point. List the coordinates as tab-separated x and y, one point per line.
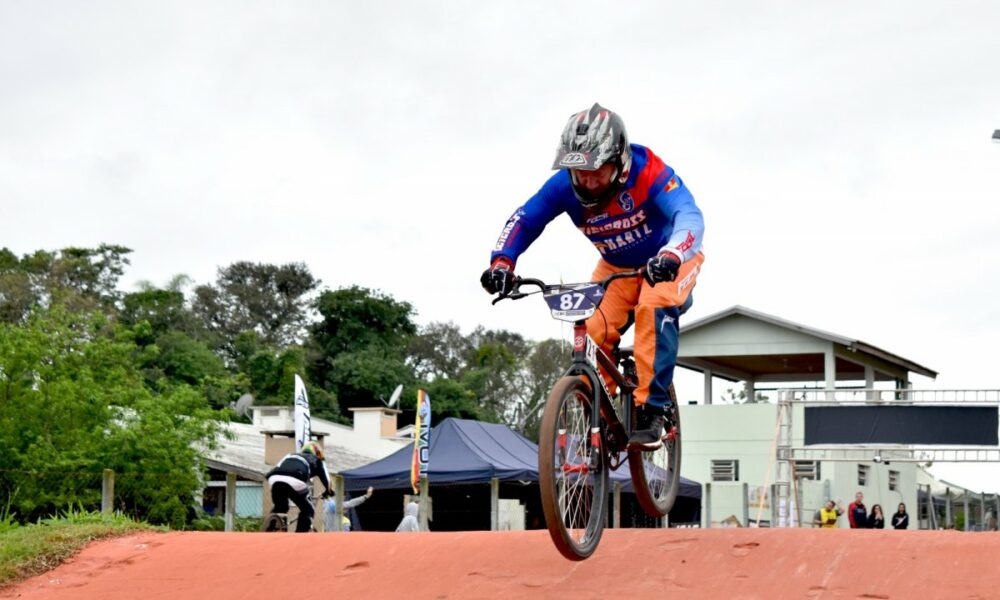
746	432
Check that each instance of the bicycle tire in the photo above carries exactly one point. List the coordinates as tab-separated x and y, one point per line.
574	507
656	475
273	523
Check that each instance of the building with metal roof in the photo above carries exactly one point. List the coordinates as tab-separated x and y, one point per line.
740	344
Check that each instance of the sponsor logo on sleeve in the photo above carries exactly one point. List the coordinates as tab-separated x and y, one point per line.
671	185
508	229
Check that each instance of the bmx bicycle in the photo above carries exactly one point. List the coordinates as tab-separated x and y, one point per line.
280	522
584	431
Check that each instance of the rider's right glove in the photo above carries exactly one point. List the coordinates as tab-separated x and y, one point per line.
499	278
662	267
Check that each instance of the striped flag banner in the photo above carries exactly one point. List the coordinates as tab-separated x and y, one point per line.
421	440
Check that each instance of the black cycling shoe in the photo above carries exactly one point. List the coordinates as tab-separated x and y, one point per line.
648	432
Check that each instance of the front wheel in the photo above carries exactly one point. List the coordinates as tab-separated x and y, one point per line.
656	474
572	470
274	522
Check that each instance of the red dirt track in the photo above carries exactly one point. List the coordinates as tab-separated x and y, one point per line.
691	563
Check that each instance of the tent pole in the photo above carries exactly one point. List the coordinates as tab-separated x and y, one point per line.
425	504
494	504
617	523
706	500
340	494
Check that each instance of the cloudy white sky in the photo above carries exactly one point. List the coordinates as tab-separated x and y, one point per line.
839	151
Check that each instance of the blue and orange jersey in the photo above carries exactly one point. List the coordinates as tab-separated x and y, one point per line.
653	212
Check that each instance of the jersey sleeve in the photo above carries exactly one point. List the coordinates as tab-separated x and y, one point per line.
324	477
529	220
683	216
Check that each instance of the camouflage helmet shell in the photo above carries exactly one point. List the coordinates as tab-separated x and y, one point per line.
590	139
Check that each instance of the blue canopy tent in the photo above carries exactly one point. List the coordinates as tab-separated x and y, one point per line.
461	451
466	452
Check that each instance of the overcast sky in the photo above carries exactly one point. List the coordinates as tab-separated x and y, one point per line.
840	151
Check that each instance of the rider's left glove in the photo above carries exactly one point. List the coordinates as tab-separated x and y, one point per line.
662	267
499	278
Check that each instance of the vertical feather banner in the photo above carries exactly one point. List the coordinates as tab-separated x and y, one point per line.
421	440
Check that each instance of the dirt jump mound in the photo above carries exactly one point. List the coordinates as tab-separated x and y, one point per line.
691	563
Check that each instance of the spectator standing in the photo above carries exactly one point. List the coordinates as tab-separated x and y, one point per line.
876	520
827	516
857	514
330	511
901	520
410	520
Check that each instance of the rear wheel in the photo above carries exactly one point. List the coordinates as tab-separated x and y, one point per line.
656	474
572	470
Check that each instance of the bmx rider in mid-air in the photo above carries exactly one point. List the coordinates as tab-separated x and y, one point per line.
638	213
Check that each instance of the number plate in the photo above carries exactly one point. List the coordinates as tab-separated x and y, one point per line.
574	303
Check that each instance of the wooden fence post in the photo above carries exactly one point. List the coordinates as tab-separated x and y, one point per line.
107	492
230	501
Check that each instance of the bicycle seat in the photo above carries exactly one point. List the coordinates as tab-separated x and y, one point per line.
624	352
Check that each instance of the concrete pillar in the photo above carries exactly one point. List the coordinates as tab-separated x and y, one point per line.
708	386
870	382
965	506
749	389
949	512
830	372
982	511
746	505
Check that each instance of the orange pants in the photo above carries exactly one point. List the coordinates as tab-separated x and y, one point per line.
656	311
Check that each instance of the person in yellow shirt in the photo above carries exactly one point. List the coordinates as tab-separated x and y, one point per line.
826	517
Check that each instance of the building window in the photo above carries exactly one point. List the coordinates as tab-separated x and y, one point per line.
863	472
893	481
807	469
725	470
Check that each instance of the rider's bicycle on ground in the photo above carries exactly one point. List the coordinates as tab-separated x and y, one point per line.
638	213
290	480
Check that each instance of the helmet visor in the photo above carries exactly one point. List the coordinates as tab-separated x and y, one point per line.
574	159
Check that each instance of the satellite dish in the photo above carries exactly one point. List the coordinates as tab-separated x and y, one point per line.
242	405
395	396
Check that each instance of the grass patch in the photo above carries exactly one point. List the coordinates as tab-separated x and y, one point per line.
28	550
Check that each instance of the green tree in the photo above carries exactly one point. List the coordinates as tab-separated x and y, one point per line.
271	374
170	346
271	300
439	350
81	278
546	363
358	347
72	402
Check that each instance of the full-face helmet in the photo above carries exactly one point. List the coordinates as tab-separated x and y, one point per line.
591	139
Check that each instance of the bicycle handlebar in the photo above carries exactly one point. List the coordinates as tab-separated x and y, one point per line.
517	294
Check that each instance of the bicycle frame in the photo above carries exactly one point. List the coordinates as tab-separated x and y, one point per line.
618	418
587	357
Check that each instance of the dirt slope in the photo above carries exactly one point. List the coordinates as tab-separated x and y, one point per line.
691	563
